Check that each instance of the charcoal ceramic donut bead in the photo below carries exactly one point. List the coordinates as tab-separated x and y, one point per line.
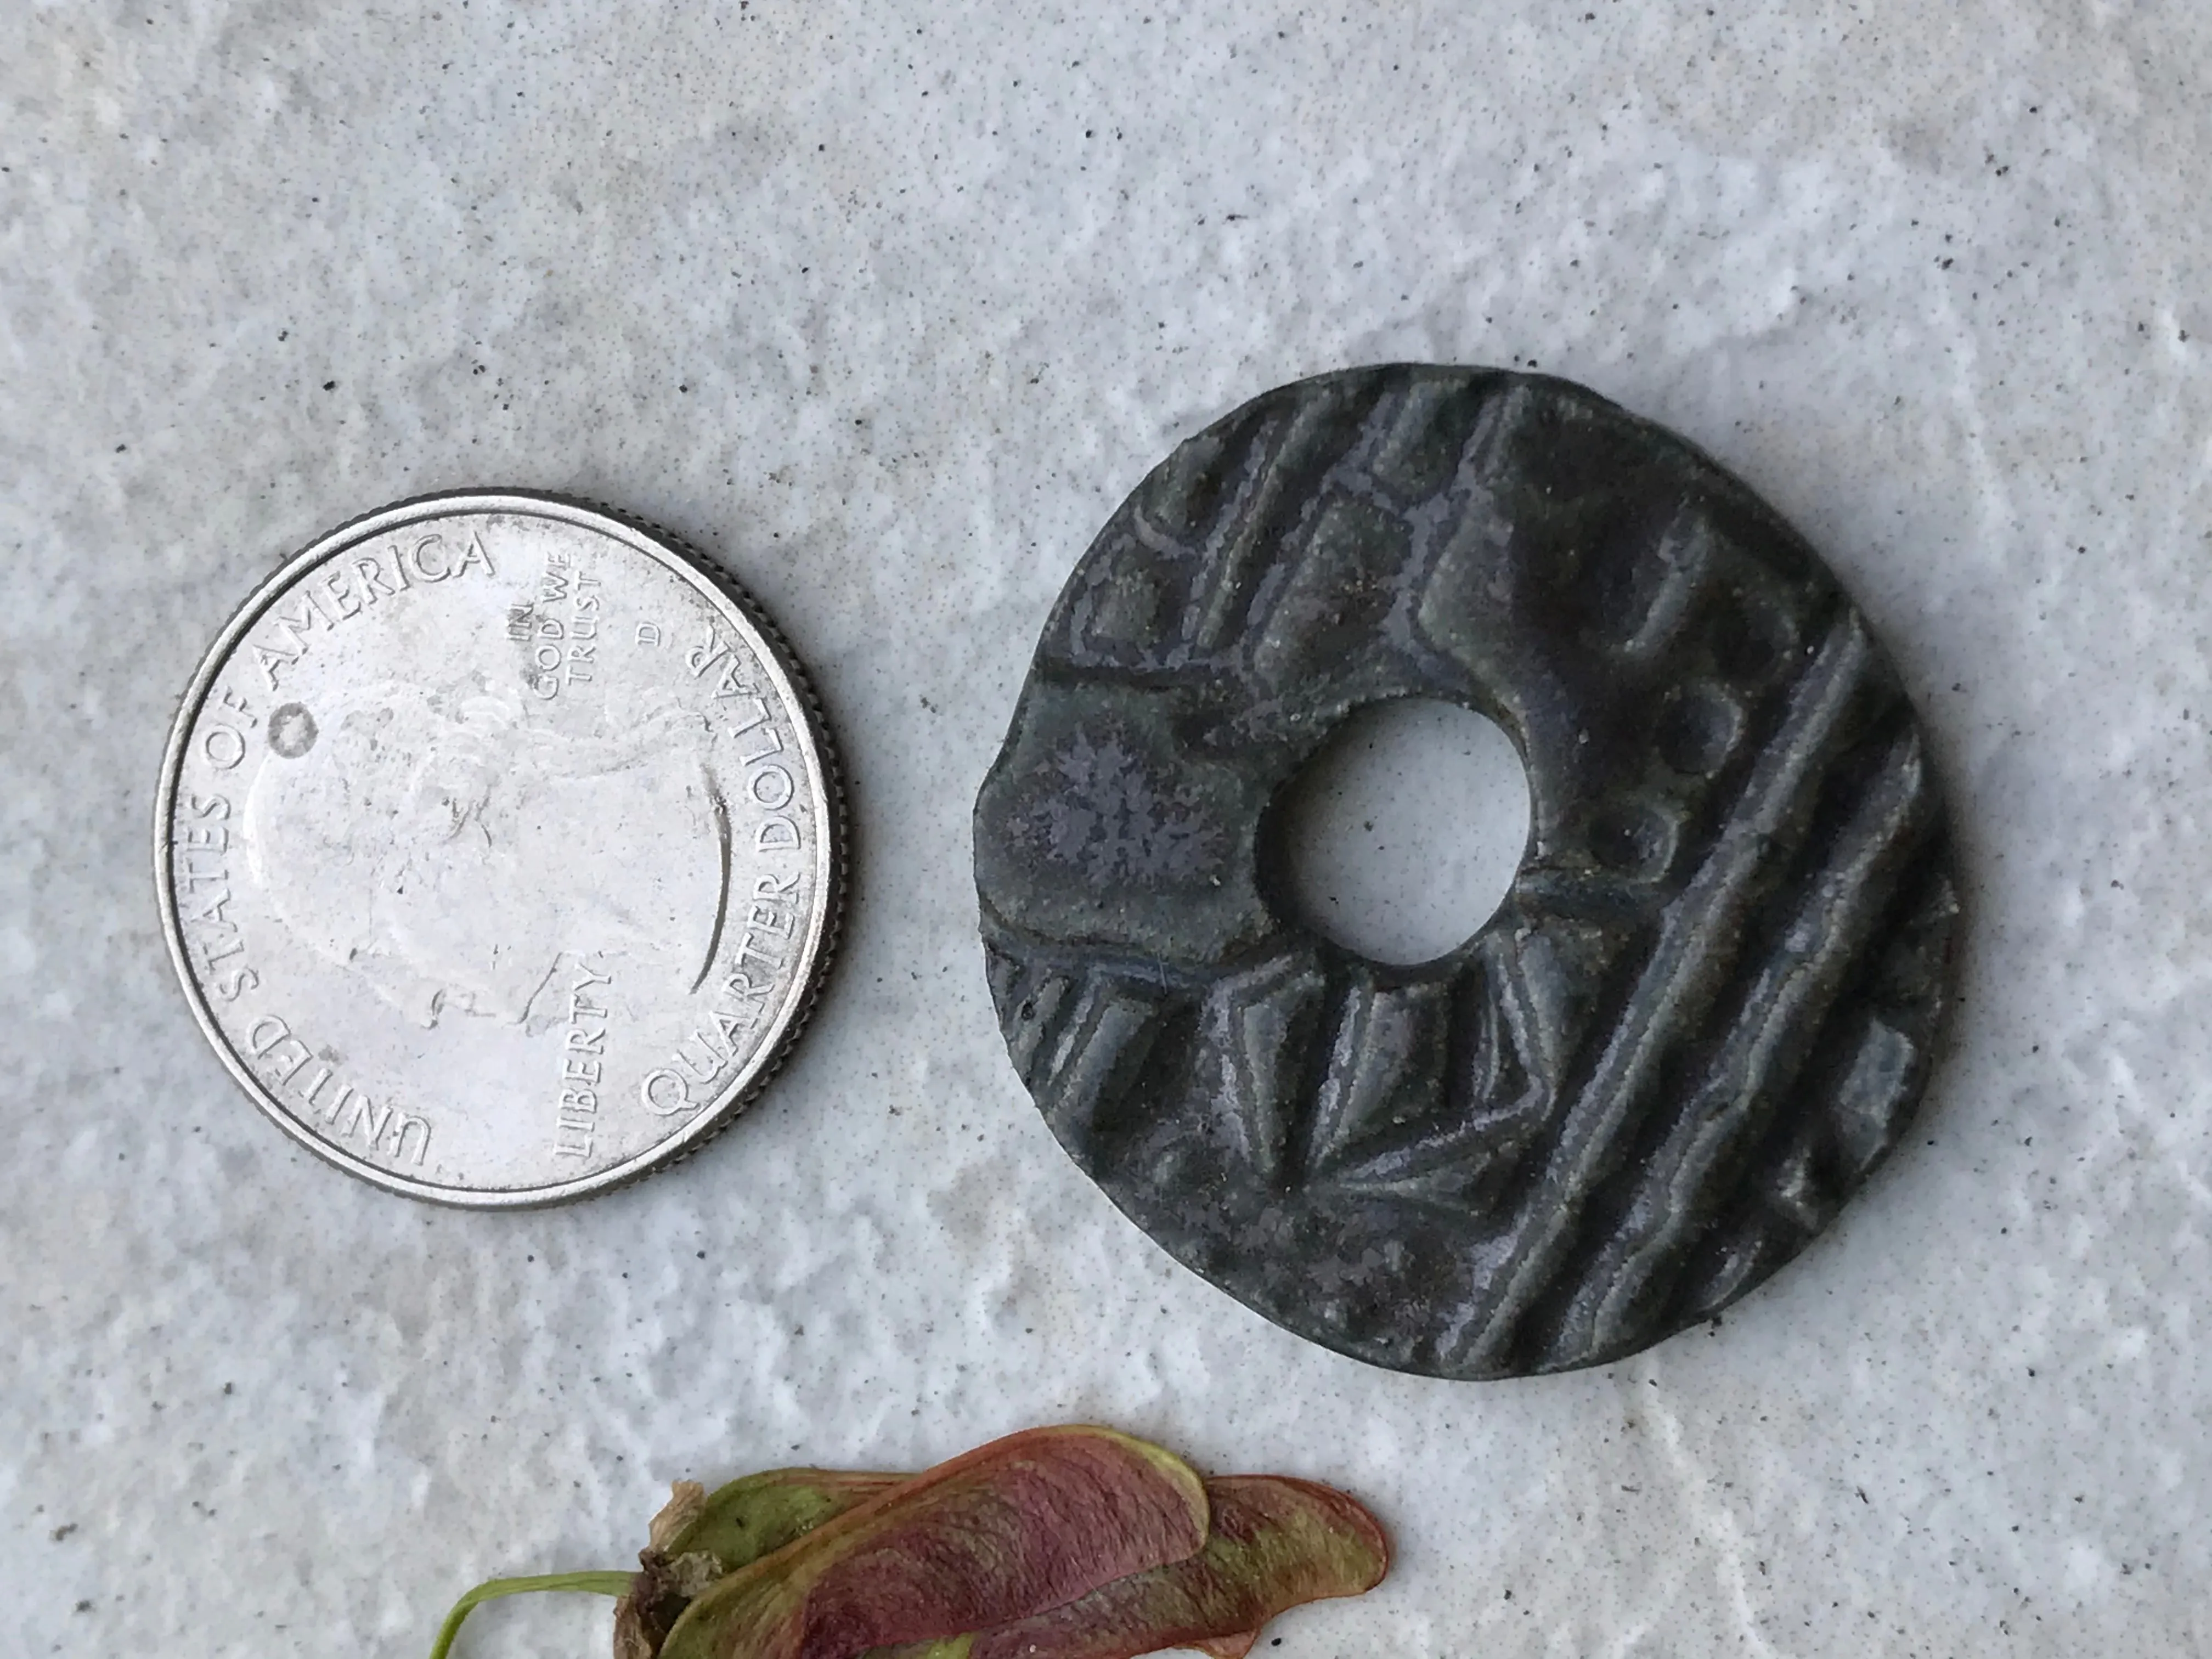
1702	1015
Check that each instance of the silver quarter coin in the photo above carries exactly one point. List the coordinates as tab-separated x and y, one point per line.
498	850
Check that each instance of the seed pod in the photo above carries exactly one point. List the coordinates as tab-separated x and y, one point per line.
701	1536
739	1523
1009	1530
1273	1542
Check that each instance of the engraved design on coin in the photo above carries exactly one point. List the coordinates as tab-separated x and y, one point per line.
498	848
1705	1011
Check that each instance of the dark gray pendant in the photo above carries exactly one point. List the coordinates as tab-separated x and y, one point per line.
1703	1014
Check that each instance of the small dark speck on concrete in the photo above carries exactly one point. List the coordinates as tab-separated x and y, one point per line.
84	1607
702	1255
119	448
329	386
62	1531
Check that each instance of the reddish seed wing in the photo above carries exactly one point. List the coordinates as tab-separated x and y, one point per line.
1276	1543
1011	1529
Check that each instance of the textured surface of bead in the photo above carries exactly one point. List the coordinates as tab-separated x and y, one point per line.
1704	1010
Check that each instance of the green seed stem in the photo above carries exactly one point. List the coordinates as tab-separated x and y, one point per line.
591	1583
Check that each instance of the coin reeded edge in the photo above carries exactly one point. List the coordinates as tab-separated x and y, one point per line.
824	775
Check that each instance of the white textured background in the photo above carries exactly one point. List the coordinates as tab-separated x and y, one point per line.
887	307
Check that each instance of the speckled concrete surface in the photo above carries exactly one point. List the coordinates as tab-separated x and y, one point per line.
887	311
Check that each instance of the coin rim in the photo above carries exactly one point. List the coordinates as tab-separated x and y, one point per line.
729	600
